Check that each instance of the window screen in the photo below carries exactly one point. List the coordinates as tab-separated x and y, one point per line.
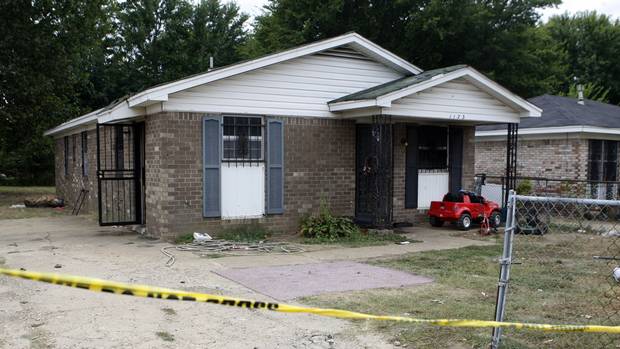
433	148
243	139
603	160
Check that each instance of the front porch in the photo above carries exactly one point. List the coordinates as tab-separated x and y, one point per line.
415	139
402	166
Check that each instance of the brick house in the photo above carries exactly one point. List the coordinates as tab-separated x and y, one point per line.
574	139
341	121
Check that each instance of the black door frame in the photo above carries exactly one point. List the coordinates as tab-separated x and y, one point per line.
128	182
379	173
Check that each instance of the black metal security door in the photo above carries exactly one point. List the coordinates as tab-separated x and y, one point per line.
119	172
373	182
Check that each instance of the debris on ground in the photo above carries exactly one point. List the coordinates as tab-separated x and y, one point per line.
203	248
44	201
200	237
58	266
18	206
611	233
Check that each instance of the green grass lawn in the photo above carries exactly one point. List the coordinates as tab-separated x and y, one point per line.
558	282
16	195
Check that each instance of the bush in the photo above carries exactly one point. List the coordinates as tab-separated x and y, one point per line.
524	187
327	227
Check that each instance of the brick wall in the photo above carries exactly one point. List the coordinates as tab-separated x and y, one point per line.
552	158
319	163
68	186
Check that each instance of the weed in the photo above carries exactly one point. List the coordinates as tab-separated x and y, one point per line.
362	238
184	239
165	336
326	227
169	311
244	233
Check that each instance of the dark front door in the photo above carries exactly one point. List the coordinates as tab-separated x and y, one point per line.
373	180
120	164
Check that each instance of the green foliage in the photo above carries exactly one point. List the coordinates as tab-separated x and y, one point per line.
591	91
592	44
237	233
244	233
327	227
525	187
61	59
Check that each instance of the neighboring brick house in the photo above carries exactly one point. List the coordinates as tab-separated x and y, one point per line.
572	140
340	121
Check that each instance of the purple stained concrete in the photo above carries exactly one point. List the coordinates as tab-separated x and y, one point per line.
293	281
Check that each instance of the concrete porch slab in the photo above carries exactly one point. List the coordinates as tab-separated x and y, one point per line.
292	281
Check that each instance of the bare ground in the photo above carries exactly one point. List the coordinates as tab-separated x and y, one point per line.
39	315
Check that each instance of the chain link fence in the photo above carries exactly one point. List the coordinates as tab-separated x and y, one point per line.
494	188
560	255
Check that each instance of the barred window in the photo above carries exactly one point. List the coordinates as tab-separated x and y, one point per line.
433	148
603	160
243	139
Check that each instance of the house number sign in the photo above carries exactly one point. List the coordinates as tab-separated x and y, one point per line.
457	116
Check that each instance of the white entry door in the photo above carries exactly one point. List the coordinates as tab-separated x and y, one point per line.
432	186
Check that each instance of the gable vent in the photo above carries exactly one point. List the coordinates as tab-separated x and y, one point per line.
344	52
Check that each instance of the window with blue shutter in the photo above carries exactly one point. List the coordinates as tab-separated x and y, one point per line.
275	166
411	168
211	133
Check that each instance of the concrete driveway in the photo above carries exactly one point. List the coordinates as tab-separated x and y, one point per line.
47	316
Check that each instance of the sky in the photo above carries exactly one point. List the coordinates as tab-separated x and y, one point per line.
610	7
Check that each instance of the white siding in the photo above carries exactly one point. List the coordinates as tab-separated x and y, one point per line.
299	87
431	187
243	191
453	100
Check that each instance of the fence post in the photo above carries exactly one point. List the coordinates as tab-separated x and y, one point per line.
505	262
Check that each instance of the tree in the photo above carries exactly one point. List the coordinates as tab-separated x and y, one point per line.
592	45
498	37
163	40
45	48
62	58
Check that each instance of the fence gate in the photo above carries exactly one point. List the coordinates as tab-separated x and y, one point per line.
119	173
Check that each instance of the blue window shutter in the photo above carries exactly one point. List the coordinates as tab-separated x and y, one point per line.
211	145
275	166
411	168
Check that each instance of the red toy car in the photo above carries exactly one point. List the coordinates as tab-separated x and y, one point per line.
464	208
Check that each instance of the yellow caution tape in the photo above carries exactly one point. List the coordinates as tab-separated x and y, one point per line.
98	285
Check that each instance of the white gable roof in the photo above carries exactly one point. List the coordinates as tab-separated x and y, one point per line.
135	105
354	40
383	96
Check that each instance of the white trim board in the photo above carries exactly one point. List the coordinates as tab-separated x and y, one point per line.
477	79
160	93
553	130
